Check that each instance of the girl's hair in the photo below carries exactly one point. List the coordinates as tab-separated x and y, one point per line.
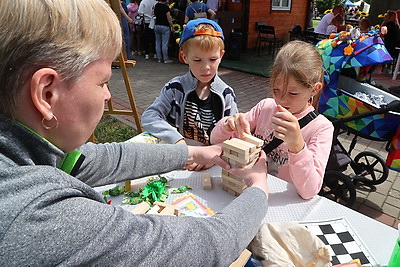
204	42
301	61
64	35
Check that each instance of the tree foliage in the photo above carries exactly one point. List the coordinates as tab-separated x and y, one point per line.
323	5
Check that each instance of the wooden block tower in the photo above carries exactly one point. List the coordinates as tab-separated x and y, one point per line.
239	154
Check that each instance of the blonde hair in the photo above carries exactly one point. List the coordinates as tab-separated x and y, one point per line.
204	42
66	35
301	61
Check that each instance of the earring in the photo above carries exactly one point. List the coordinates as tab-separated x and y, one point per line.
50	127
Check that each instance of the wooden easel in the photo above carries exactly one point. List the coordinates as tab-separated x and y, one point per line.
123	63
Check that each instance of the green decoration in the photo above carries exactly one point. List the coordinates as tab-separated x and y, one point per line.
115	191
181	189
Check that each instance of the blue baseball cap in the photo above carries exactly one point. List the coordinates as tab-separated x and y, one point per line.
190	30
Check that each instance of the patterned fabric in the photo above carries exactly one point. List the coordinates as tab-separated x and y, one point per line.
342	52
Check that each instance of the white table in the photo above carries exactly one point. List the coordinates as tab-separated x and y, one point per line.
285	205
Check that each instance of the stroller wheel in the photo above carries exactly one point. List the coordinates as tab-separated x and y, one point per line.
371	167
339	188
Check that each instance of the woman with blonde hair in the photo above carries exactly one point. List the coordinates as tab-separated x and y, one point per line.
54	68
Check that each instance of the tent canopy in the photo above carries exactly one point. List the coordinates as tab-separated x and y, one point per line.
349	3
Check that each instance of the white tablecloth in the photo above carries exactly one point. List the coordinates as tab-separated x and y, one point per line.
284	205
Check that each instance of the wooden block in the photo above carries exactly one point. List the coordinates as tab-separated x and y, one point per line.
254	140
206	181
230	186
154	210
233	193
234	185
141	208
239	160
242	260
238	145
232	180
166	209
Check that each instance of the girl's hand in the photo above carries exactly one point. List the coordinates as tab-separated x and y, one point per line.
287	128
237	123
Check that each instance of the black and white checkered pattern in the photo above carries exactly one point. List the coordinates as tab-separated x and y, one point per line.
342	242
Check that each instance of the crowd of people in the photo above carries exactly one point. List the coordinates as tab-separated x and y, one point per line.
147	24
334	22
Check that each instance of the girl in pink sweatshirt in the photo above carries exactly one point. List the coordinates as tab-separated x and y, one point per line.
296	82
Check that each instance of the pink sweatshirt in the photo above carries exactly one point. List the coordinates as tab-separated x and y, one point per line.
305	169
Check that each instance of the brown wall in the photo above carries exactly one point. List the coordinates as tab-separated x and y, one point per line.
260	10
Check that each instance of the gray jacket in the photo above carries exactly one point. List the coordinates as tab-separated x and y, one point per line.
51	218
164	118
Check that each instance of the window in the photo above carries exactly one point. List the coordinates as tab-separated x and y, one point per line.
278	5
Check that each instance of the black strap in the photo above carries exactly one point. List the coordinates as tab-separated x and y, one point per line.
302	122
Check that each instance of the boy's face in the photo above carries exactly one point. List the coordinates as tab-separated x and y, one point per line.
203	64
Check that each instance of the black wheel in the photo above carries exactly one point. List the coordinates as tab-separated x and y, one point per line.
339	188
372	167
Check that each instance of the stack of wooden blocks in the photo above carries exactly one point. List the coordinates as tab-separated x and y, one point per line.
239	154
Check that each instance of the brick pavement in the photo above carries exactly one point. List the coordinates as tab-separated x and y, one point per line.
148	77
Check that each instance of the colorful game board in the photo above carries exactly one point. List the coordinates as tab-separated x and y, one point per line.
342	241
190	206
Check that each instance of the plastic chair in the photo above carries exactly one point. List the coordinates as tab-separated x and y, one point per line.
267	37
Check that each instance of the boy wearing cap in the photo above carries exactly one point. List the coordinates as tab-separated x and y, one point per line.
189	106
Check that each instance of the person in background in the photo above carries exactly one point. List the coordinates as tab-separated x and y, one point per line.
162	30
326	20
53	83
189	106
364	25
198	7
146	10
334	25
126	21
392	36
136	29
296	82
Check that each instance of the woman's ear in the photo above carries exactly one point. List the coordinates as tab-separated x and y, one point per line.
43	89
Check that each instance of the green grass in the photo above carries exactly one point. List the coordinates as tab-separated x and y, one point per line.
315	23
112	130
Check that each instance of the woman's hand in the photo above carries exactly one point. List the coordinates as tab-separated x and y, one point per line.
255	176
206	155
287	128
237	123
197	167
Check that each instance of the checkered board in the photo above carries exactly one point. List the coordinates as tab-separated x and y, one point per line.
343	243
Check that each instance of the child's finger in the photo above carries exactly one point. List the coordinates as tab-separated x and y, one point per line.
243	126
